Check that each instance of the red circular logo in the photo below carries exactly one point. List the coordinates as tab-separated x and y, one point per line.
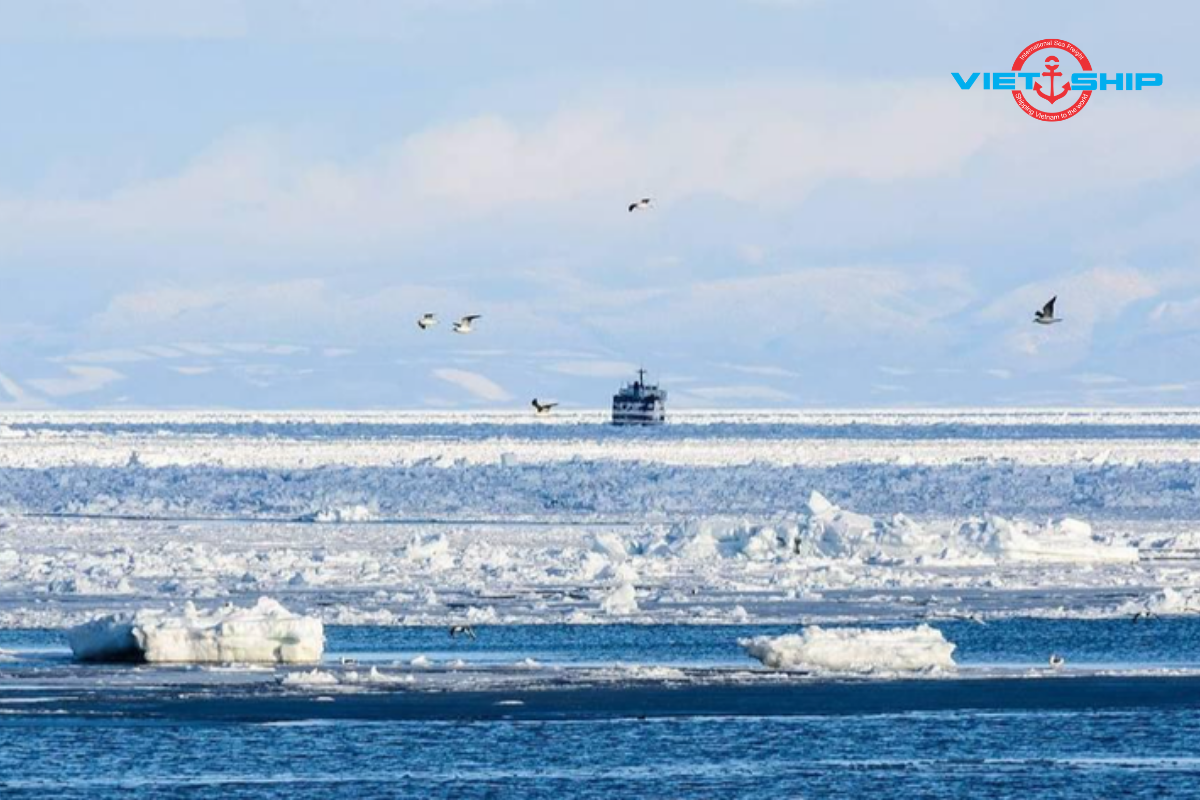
1053	94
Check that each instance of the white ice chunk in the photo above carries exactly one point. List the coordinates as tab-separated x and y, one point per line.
315	677
1169	602
264	633
621	601
1066	541
861	650
832	532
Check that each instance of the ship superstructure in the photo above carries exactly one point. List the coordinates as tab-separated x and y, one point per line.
639	403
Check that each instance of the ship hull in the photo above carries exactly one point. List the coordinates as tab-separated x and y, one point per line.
639	414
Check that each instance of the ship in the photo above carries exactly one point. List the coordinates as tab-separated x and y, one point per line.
639	403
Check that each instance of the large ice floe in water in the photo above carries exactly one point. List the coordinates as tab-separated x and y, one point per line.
264	633
857	650
830	532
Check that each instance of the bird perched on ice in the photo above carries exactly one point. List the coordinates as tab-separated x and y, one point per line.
1046	315
464	324
1057	661
427	321
542	408
641	205
462	630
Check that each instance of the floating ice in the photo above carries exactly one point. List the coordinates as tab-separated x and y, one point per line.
829	532
265	633
862	650
349	513
314	677
621	601
832	532
1069	540
321	679
1169	602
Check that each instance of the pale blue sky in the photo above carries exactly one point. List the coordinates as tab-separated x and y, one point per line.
246	203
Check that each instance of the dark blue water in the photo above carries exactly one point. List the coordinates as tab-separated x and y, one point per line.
1068	736
1162	642
1078	754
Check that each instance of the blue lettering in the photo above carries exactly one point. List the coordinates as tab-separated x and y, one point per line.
1105	81
987	80
1004	80
1084	81
1029	78
967	83
1149	79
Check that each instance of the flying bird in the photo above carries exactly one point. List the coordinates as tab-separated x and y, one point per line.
462	630
1057	661
1046	315
542	408
464	324
427	321
638	205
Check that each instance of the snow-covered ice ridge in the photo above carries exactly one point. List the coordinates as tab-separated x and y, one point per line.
821	562
398	518
404	466
278	441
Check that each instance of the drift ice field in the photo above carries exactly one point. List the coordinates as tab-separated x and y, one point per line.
292	579
403	519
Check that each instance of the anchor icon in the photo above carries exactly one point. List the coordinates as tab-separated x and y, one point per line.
1052	73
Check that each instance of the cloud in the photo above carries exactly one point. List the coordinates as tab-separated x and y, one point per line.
739	395
478	385
594	369
83	379
220	20
754	142
124	19
111	356
1176	315
1085	300
763	370
17	396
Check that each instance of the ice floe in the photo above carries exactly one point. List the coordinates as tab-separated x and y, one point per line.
324	679
1067	540
1168	602
264	633
621	601
856	650
829	532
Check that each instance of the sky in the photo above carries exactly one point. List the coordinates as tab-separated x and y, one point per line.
248	203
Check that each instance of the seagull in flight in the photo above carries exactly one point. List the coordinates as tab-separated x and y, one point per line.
639	205
464	324
542	408
1046	315
462	630
427	321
